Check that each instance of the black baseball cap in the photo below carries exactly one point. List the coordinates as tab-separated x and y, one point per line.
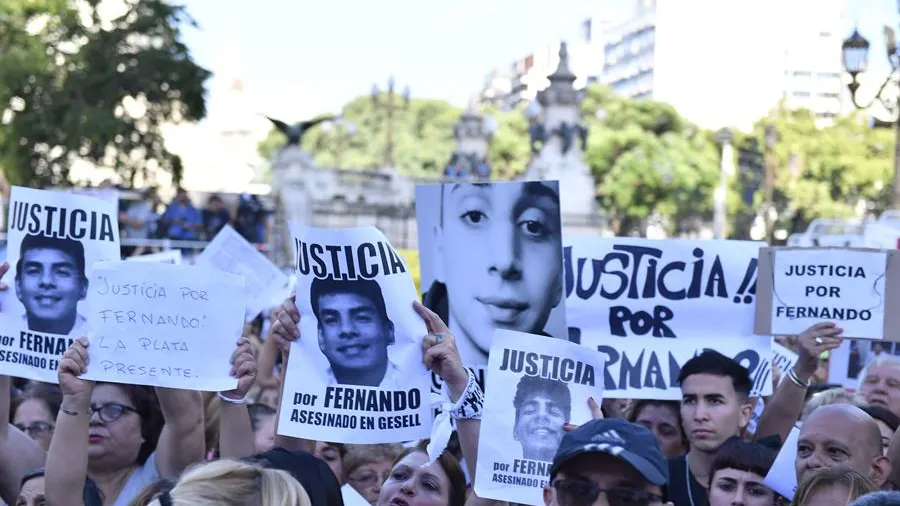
628	441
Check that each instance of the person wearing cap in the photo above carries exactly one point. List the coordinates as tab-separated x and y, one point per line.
607	462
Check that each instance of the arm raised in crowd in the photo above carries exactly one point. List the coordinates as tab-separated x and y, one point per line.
235	429
783	411
182	441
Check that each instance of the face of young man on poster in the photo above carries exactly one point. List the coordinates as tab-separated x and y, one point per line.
354	335
539	427
500	255
49	285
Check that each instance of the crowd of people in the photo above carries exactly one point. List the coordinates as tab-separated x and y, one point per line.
81	443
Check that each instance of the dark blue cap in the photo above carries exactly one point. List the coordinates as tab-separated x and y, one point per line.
628	441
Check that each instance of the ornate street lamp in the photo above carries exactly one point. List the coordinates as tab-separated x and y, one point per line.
391	102
341	131
856	61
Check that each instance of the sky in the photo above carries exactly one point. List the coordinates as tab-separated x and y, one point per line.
300	58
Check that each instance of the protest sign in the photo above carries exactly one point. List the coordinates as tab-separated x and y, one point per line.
164	325
782	477
537	385
783	360
800	287
108	194
848	361
172	256
491	258
356	373
648	368
230	252
624	287
53	240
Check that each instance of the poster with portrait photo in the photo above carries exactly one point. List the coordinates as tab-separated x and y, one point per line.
537	385
491	258
53	240
847	362
356	373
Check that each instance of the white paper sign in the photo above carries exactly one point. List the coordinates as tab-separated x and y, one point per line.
783	359
491	258
782	477
356	373
537	385
54	239
172	256
164	325
648	368
841	286
230	252
624	287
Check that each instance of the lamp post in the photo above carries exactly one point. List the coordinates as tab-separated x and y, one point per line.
855	52
725	138
391	103
341	131
770	140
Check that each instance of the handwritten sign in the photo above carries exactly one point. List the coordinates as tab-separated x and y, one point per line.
164	325
54	239
172	256
537	385
851	287
356	374
491	258
629	287
782	477
648	368
230	252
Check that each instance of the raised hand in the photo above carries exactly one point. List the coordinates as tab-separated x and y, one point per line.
286	328
596	414
243	367
823	336
74	363
439	351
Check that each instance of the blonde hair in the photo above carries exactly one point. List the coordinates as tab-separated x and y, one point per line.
234	483
212	410
832	396
856	483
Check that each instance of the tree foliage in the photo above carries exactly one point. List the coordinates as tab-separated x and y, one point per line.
78	86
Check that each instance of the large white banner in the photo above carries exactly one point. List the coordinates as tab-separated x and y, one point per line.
648	368
164	325
630	287
53	240
537	385
356	373
491	258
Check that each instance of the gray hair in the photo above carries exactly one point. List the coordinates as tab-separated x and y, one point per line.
884	358
878	499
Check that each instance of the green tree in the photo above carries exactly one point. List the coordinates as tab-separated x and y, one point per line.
509	150
830	172
647	159
423	137
66	72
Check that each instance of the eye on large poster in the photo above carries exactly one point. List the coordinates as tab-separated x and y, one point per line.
491	258
631	287
537	386
53	240
356	373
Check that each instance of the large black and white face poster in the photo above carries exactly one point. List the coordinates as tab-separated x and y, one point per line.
356	373
491	258
53	240
537	386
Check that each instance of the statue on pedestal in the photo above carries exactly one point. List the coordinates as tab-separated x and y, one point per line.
295	133
473	133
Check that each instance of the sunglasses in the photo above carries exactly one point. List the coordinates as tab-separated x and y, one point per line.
584	493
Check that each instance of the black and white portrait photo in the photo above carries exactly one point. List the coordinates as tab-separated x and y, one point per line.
542	406
491	258
354	331
50	282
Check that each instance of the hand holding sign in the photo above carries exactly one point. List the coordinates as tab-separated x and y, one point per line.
243	367
73	364
3	268
596	414
821	337
286	328
440	353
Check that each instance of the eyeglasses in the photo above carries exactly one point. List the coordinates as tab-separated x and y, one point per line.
36	429
584	493
367	479
110	412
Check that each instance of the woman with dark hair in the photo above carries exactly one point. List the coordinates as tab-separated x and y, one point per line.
443	484
887	422
34	413
124	437
663	418
737	472
32	491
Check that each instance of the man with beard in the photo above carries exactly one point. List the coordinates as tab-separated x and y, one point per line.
542	408
50	281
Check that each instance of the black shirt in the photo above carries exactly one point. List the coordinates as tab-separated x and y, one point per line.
677	490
